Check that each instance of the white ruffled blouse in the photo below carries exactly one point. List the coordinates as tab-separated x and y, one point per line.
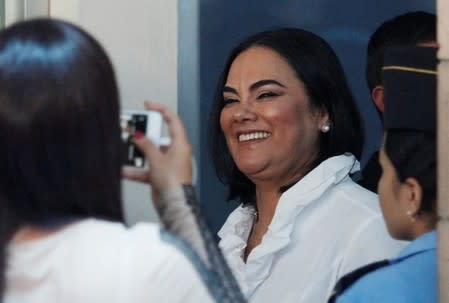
323	227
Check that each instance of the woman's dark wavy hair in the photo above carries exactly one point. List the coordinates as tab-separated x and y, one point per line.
413	154
318	67
60	154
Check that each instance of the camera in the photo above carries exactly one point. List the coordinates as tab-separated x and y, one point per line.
147	122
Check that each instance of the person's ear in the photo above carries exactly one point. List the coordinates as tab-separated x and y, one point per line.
412	197
323	117
378	97
324	125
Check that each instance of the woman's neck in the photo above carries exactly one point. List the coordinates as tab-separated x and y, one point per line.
266	203
422	225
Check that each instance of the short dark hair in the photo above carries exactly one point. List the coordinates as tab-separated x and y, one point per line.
413	154
59	128
404	30
318	67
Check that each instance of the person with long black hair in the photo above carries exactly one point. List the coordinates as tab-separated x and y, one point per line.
285	136
62	231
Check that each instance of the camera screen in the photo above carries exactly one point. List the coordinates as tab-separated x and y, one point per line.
130	123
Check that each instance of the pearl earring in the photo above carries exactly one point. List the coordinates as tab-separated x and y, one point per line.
410	215
325	128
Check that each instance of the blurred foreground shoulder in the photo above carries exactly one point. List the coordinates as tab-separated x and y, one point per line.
164	267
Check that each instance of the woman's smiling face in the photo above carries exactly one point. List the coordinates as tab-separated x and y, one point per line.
270	127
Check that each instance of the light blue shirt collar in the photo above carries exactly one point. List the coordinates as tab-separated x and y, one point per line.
425	242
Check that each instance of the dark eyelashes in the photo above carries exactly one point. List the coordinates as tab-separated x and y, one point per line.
267	95
229	101
262	96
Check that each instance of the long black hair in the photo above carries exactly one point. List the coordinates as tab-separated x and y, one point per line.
60	154
318	67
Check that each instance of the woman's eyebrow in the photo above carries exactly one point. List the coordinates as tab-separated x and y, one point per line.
254	86
228	89
260	83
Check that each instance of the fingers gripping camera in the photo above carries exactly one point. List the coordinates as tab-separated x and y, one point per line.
146	122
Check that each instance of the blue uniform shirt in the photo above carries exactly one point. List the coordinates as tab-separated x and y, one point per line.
410	278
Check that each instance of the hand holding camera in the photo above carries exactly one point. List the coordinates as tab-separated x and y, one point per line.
168	166
135	123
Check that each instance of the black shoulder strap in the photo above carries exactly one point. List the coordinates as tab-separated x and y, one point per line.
349	279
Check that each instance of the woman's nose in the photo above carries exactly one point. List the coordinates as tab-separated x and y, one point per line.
244	112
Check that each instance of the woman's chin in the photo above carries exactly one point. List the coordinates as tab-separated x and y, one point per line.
254	169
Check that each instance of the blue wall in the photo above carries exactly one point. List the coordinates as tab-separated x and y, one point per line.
345	24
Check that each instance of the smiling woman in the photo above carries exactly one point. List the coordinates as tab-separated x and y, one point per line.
268	98
285	137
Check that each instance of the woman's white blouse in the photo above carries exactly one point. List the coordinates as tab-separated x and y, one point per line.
324	227
96	261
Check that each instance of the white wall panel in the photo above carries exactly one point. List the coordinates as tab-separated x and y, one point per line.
141	39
